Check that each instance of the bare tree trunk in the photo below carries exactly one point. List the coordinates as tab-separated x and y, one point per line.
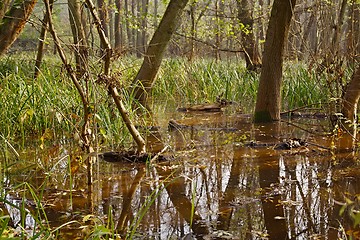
110	21
219	16
145	9
252	55
103	14
141	146
118	28
13	23
309	39
132	29
156	8
129	30
351	97
268	101
353	37
4	5
146	76
40	51
85	136
79	36
333	49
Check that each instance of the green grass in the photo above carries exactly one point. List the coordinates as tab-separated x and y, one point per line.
49	108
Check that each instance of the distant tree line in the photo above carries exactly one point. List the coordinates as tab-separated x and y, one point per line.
320	31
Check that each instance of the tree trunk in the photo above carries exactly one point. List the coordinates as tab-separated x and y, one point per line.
103	14
110	20
4	5
146	76
268	101
140	142
117	27
79	36
13	23
252	55
40	50
145	11
351	97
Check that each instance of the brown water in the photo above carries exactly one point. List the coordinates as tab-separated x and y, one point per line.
214	187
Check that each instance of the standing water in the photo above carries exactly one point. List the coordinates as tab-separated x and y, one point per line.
223	178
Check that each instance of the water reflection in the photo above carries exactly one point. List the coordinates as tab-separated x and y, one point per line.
217	187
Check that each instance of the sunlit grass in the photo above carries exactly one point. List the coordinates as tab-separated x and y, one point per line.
49	108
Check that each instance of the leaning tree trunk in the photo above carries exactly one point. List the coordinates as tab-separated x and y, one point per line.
13	22
146	76
351	97
140	142
268	101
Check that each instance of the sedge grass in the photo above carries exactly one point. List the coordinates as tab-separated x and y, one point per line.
51	105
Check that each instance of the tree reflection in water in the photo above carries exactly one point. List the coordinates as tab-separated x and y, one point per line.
218	188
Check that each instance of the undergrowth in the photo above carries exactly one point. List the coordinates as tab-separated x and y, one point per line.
49	108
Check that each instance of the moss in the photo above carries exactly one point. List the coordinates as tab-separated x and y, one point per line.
262	117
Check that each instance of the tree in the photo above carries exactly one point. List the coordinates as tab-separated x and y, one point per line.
351	97
118	28
41	44
4	4
252	55
79	36
268	101
14	21
146	76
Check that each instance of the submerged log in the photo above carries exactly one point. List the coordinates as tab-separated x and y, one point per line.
207	107
130	157
215	107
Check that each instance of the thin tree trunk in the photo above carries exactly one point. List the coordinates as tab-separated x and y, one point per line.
252	55
132	29
4	5
146	76
103	14
141	145
110	21
40	50
13	23
145	9
117	27
268	101
85	137
79	36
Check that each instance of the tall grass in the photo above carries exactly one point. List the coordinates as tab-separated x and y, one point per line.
50	107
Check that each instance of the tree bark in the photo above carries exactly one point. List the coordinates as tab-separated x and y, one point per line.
13	23
4	5
118	28
351	97
85	133
79	36
40	50
252	55
146	76
103	14
268	101
140	142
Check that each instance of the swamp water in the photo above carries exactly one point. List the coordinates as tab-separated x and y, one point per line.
224	180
